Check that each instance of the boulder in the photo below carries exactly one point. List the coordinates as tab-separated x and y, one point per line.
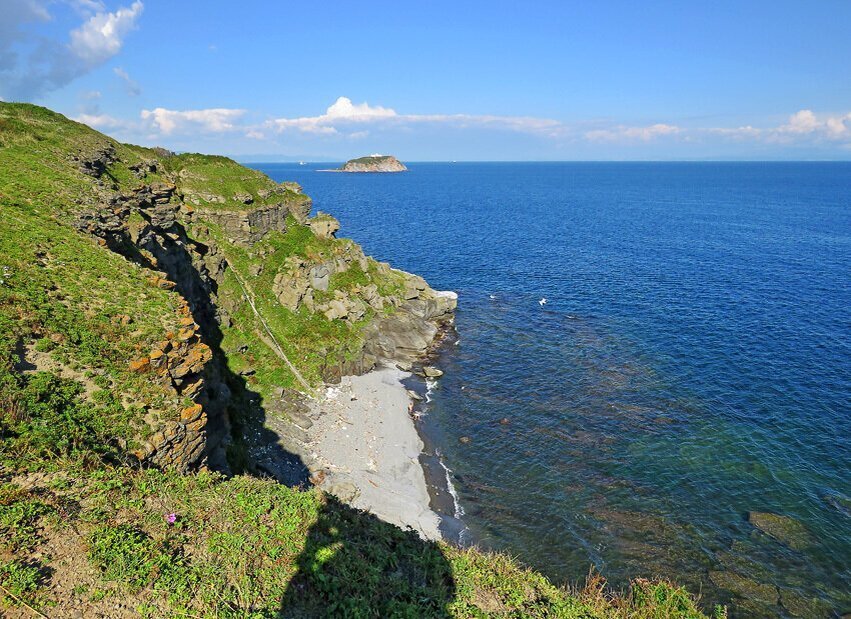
290	290
320	277
336	310
324	226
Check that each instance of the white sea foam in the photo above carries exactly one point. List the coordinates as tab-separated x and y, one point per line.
456	502
431	383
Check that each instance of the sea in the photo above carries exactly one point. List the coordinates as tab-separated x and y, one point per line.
651	370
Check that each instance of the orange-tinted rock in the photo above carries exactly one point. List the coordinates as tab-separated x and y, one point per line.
185	334
140	365
197	425
192	389
191	413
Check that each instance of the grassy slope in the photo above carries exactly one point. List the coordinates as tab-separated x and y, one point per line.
80	527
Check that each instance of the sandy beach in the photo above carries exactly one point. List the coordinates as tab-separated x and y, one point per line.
365	443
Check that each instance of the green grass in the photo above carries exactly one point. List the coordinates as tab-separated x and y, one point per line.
19	581
245	547
370	159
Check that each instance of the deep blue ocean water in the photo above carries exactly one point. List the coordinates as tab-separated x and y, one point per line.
692	364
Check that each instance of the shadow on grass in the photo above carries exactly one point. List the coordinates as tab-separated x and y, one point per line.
355	565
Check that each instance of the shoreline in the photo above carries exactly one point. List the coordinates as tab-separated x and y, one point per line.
366	450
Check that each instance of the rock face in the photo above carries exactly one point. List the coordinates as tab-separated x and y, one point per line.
324	226
374	163
247	226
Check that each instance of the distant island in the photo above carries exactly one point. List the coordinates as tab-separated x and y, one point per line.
373	163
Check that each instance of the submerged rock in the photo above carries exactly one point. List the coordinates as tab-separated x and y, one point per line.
782	528
745	587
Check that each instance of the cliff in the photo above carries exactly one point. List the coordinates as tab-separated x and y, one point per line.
373	163
162	319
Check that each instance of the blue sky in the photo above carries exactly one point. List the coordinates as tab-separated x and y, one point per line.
443	80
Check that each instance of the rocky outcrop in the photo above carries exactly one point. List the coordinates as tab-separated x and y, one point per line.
144	226
408	334
95	163
374	163
247	226
324	226
181	362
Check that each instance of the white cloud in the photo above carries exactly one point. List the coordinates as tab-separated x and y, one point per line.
214	120
806	122
32	65
130	85
800	122
625	133
102	36
802	126
344	112
102	121
87	7
343	108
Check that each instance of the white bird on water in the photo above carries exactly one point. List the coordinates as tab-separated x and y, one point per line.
542	302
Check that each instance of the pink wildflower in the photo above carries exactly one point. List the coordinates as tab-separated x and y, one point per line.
171	518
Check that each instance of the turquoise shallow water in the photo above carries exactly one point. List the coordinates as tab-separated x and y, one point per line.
692	364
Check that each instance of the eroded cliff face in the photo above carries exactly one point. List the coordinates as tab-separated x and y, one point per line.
199	249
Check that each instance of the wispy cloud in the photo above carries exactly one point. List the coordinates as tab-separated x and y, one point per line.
130	85
104	122
803	125
622	133
348	119
31	66
343	113
213	120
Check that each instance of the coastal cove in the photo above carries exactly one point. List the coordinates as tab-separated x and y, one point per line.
481	311
697	326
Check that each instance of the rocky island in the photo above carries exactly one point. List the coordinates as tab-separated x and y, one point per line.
373	163
201	406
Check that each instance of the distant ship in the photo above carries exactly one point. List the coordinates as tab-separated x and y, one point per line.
301	163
